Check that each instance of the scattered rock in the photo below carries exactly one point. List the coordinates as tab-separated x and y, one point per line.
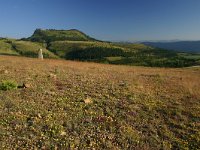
50	93
5	71
28	78
52	76
122	84
39	115
88	101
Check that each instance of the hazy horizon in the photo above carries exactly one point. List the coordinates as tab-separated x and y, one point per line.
113	20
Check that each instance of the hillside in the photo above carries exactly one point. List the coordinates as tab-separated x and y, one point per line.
183	46
76	105
81	50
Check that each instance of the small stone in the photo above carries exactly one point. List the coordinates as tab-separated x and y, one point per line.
39	115
63	133
50	93
52	76
6	71
26	85
122	84
88	101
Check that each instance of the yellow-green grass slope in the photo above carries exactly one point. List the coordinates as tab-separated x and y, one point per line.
23	48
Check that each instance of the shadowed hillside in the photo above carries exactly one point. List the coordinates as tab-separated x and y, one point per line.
81	50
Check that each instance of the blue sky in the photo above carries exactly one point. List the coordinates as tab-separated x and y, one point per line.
113	20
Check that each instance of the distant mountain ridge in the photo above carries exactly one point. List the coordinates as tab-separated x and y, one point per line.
184	46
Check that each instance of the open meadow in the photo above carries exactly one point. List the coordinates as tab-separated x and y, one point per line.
59	104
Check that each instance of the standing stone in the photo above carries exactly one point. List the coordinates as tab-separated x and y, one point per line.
40	55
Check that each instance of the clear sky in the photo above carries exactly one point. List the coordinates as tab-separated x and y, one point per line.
113	20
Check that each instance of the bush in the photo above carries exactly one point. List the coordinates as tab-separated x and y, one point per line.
8	85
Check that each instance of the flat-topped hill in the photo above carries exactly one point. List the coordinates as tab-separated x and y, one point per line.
51	35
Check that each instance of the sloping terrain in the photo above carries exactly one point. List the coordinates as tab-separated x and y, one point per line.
76	105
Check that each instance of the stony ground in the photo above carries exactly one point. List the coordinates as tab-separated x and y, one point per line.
76	105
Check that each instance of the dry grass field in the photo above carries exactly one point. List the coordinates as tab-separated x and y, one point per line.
76	105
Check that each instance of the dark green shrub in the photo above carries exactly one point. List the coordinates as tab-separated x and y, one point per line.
8	85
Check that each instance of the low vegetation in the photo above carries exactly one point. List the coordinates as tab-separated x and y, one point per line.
76	105
8	85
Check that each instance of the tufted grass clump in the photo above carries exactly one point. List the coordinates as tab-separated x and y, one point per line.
8	85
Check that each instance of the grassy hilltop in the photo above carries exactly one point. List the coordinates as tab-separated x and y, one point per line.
76	105
76	45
